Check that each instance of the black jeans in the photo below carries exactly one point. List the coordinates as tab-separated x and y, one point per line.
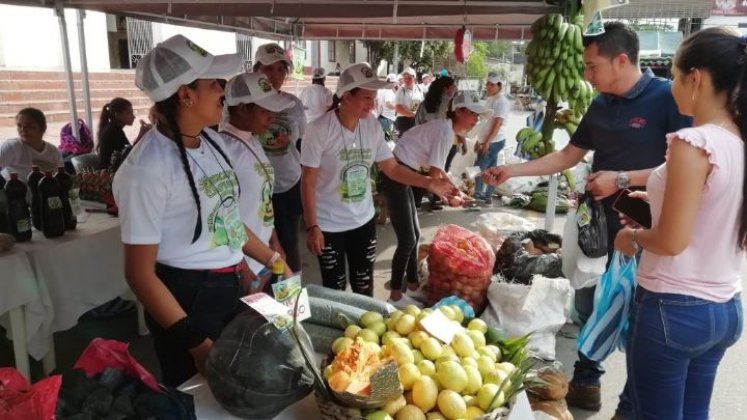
403	214
211	300
358	246
402	124
288	211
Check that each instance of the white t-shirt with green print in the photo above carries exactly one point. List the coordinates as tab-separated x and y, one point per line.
279	144
256	177
156	205
344	159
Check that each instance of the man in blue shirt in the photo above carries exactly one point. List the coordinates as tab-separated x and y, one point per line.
625	126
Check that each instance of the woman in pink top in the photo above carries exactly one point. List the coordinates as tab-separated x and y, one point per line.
688	308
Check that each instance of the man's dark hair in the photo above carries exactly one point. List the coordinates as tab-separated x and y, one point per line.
617	39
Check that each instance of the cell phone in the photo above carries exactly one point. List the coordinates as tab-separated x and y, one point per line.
636	209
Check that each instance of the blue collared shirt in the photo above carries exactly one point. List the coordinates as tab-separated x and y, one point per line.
627	132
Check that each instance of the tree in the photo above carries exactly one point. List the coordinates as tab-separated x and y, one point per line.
408	51
476	66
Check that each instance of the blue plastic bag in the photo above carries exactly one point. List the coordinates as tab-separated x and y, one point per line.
606	328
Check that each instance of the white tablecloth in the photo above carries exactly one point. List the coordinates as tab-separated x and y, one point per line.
206	408
71	274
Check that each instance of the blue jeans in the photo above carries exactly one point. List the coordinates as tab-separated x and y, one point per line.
288	211
676	346
486	161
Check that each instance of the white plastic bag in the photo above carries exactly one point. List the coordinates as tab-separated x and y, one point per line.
495	227
579	269
541	307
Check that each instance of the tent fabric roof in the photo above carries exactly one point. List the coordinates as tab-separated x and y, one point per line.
366	19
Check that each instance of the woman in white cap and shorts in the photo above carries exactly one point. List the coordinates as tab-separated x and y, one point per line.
423	148
281	145
338	151
178	200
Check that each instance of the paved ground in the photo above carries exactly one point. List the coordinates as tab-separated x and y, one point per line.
729	398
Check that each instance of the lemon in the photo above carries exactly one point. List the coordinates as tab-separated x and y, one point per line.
477	337
392	406
470	400
340	344
417	356
473	412
408	374
369	318
393	318
485	364
448	311
378	327
412	310
463	344
458	314
506	367
451	404
485	396
379	415
447	351
435	415
484	351
495	350
409	412
425	393
451	376
368	335
469	361
352	331
402	354
478	324
405	325
431	348
388	337
426	367
474	380
417	338
495	376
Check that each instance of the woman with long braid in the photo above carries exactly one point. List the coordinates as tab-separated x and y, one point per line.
178	199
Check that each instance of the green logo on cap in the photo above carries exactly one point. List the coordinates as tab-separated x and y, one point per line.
264	85
196	48
367	72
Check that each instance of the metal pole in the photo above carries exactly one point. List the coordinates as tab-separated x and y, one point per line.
395	58
84	67
60	11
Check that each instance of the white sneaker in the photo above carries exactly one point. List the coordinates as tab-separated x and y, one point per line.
418	295
404	302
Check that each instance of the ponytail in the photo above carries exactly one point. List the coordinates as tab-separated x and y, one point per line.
114	107
335	103
168	109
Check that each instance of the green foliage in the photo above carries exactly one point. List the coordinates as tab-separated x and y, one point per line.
409	51
476	66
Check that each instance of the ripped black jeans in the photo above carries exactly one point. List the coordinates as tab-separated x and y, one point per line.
358	247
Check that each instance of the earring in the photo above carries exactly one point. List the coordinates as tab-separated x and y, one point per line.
188	103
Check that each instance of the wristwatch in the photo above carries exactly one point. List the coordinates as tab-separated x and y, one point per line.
622	181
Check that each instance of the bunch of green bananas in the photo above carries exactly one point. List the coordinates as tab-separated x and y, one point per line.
532	145
555	63
568	120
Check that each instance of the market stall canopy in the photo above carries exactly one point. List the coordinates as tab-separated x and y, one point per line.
367	19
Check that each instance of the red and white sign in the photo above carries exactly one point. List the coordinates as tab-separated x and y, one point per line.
729	8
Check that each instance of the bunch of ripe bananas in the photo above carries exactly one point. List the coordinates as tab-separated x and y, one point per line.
567	120
555	64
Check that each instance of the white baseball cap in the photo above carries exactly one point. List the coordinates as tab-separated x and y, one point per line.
178	61
268	54
391	77
472	102
408	70
362	76
319	73
494	78
255	88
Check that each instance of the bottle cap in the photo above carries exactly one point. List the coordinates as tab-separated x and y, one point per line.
278	267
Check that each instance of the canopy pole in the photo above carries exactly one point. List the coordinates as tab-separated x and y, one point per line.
395	58
60	11
84	67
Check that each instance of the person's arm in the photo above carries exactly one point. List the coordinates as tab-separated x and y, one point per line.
553	163
604	183
399	105
140	273
404	175
687	172
275	245
315	239
481	146
257	250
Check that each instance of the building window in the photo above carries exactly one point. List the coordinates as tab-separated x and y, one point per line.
331	53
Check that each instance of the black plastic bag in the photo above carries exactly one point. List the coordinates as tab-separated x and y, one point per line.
517	264
255	370
592	227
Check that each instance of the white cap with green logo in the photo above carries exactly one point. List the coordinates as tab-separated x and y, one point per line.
254	88
178	61
361	76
